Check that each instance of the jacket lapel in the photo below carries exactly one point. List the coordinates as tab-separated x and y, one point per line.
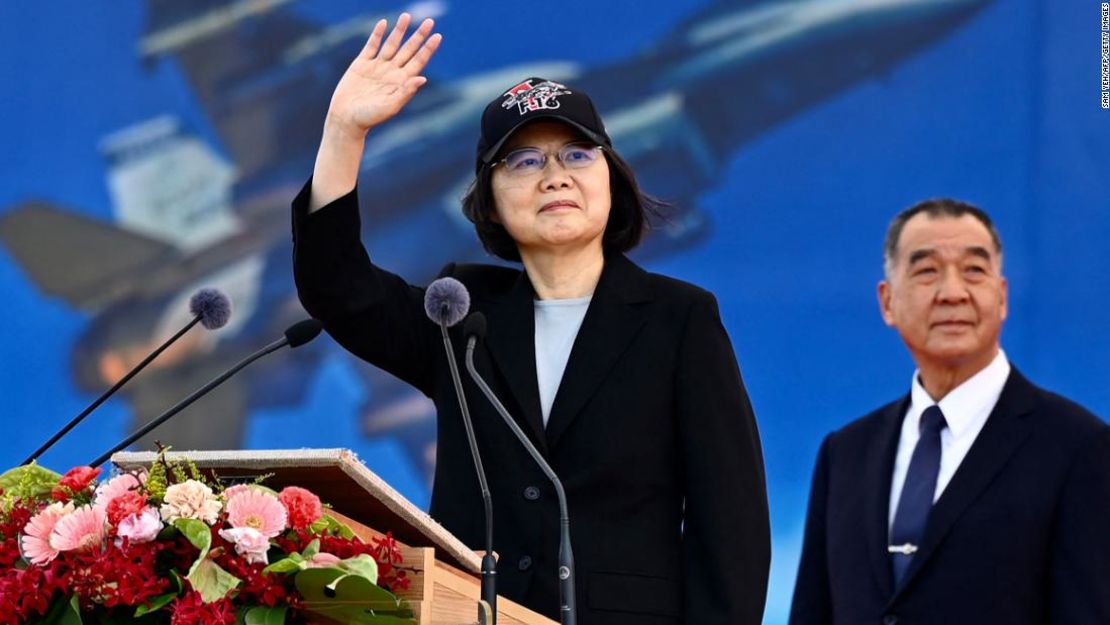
613	319
1006	429
512	343
880	469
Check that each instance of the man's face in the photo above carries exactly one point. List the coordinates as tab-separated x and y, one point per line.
945	293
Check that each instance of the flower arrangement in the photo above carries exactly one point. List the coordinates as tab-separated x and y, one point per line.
169	545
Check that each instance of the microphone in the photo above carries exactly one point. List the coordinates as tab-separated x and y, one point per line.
475	330
210	308
446	302
295	335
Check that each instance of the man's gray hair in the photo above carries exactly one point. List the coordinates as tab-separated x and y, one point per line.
935	207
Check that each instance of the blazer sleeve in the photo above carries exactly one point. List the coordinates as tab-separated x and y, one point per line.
1080	584
726	541
812	604
371	312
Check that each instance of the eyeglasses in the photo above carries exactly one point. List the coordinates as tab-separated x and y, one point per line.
528	161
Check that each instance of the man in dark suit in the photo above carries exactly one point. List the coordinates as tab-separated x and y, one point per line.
976	498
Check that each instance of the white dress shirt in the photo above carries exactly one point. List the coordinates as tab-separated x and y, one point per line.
965	409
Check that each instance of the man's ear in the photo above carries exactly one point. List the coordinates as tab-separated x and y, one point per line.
884	294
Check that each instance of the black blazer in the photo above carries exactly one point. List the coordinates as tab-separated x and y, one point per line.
651	431
1021	535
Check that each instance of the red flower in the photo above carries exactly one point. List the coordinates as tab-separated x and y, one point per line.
78	478
124	575
75	480
11	524
256	587
192	610
304	507
26	594
125	505
385	551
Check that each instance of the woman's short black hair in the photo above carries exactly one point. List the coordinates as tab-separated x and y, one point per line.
628	215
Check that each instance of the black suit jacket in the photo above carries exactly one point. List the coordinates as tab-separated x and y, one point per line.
1021	535
650	431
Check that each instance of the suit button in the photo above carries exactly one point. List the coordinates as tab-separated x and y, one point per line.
525	563
890	619
531	493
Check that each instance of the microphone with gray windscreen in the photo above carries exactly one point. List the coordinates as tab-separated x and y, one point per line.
446	302
210	308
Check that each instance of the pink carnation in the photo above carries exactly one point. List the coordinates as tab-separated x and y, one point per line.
256	510
85	528
35	541
249	543
142	527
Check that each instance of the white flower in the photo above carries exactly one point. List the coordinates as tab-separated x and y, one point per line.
190	500
140	528
249	543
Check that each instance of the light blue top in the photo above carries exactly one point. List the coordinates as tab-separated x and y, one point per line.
557	324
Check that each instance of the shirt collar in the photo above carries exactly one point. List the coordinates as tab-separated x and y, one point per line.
963	404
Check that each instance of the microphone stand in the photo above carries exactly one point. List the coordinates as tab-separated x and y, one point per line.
100	400
567	610
183	404
489	564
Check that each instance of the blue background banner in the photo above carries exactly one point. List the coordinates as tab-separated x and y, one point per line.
151	148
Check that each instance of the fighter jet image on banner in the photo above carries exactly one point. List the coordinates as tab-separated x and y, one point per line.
190	214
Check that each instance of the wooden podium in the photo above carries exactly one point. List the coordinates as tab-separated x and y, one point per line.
445	587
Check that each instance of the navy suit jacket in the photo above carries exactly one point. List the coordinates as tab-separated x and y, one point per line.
1021	534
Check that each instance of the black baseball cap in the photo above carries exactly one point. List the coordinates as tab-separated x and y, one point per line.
532	99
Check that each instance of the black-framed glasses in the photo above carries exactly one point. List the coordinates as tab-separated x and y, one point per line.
529	161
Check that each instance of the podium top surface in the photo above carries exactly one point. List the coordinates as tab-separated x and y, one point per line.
339	479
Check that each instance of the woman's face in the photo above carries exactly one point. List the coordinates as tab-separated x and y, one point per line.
558	208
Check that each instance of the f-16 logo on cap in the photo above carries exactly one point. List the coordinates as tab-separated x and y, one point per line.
528	97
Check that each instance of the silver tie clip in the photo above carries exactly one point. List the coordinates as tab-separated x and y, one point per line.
907	549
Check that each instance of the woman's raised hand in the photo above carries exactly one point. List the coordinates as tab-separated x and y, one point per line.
384	76
377	85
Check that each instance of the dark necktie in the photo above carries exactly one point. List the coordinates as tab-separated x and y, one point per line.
917	493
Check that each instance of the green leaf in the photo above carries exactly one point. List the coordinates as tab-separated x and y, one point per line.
263	615
177	582
362	565
337	528
166	533
311	550
29	481
64	611
211	581
334	594
320	525
286	565
156	604
199	534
